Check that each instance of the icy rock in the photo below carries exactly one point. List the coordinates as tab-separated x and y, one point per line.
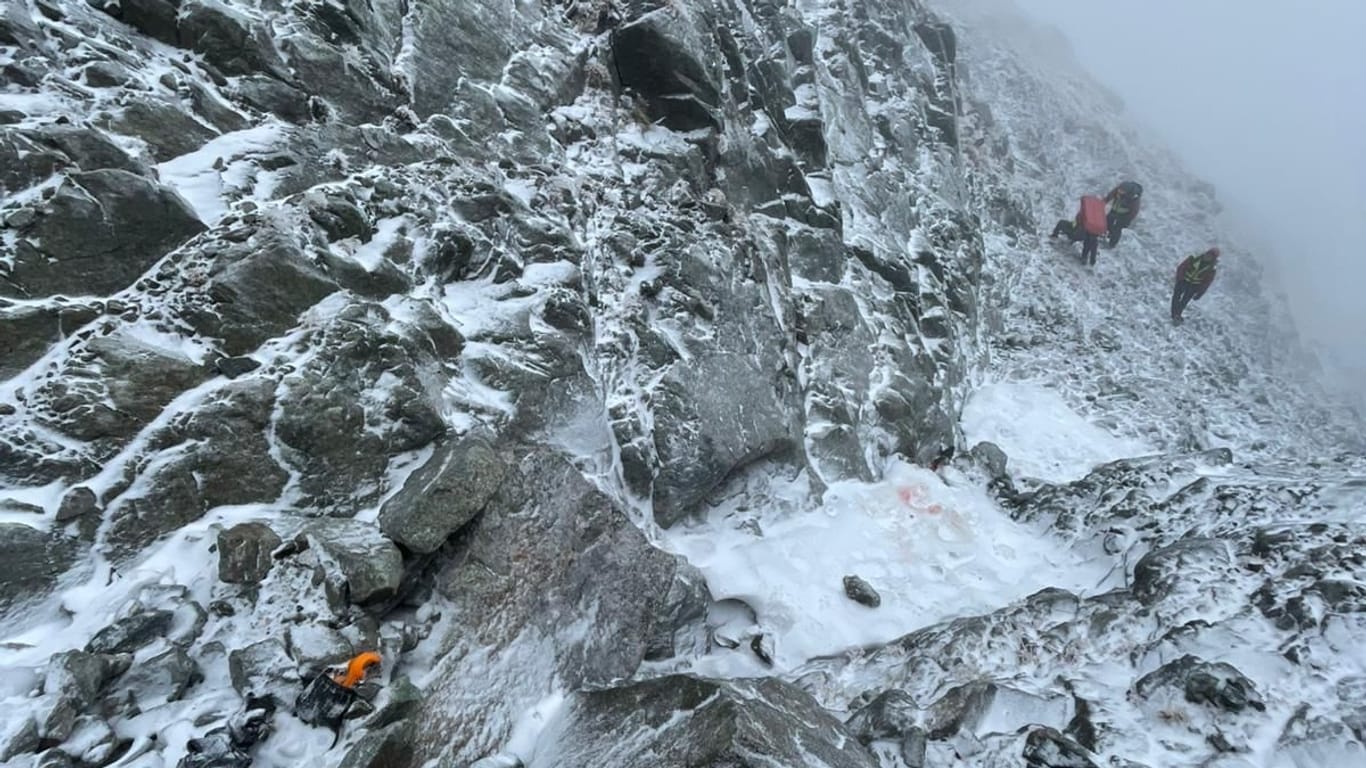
244	553
232	367
368	562
398	702
106	74
718	414
315	646
23	162
89	148
686	721
446	342
939	38
680	626
1158	572
1046	748
132	381
20	218
1082	728
164	125
161	678
92	741
449	253
384	280
74	679
549	548
132	633
156	18
762	646
363	632
190	616
227	40
991	457
33	562
816	254
17	28
1352	691
369	97
104	229
55	758
564	310
981	708
362	398
21	508
1341	596
270	95
913	747
1222	685
77	503
339	217
215	110
1327	750
174	496
665	60
28	332
443	495
258	288
1217	684
861	592
231	460
158	612
389	746
18	735
263	669
889	716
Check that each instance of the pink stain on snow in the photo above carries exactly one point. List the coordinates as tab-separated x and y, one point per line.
909	494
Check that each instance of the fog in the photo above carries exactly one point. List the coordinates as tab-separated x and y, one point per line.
1266	101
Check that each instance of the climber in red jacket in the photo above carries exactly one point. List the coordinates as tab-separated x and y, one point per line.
1193	278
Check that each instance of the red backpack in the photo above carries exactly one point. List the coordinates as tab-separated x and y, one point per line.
1092	216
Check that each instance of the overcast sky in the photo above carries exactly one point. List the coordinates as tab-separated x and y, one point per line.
1267	100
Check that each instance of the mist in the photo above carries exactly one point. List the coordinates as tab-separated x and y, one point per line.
1264	100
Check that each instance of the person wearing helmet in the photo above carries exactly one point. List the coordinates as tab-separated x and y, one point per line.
1193	278
1124	201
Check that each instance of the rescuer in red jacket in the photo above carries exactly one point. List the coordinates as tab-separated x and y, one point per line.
1193	278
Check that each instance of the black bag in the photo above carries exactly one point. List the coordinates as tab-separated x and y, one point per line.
325	702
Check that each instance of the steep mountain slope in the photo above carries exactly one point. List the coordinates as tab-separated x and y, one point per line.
1234	376
1221	634
572	355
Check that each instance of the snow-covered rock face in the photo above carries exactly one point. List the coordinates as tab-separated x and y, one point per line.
569	354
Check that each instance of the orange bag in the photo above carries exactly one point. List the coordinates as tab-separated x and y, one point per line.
1092	216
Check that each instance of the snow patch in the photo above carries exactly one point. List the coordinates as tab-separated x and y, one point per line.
527	729
1041	435
370	255
222	166
932	550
